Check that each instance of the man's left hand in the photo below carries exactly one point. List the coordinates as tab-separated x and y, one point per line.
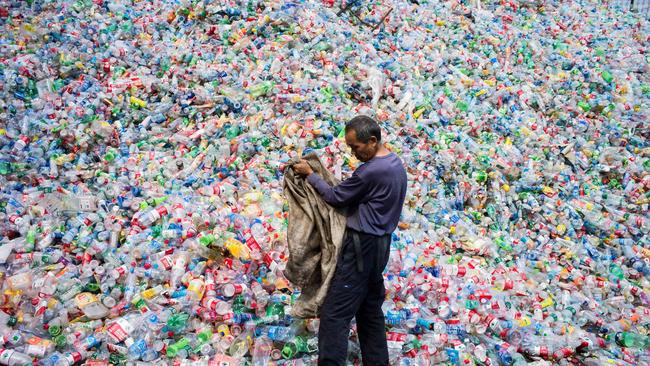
302	168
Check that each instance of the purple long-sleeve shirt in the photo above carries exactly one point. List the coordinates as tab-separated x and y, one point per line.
373	195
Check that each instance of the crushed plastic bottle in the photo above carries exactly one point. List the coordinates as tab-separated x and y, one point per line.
142	146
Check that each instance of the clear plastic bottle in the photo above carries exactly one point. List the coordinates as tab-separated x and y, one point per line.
262	351
242	344
13	358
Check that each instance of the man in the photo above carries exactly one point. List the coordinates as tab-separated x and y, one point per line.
373	196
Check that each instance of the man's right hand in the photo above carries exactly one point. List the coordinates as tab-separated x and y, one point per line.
302	168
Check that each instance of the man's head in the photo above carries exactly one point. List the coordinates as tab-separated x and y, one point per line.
363	135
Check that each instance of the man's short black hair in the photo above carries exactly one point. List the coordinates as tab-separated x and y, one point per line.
365	127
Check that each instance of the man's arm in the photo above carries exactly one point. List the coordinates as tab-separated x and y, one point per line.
342	195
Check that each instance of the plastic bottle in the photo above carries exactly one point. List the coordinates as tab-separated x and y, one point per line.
13	358
120	329
281	333
632	340
262	351
242	344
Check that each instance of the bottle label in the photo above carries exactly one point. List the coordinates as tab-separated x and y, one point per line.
490	321
270	262
231	290
121	270
90	341
455	329
211	303
210	286
73	357
149	293
251	243
508	285
120	330
224	330
35	351
543	352
395	337
96	363
84	299
114	348
166	262
462	271
197	286
160	211
38	341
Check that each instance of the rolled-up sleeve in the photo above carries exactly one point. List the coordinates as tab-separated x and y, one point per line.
346	193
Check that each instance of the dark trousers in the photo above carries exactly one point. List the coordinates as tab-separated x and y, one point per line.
357	290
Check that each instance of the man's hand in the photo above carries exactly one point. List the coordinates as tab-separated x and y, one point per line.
302	168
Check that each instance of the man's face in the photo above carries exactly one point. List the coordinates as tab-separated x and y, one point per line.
363	151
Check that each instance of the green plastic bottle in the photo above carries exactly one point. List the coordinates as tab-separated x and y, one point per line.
584	106
177	322
261	89
294	347
632	340
607	76
616	271
173	349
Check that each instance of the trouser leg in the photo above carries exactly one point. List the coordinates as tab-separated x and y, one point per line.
370	317
372	330
346	292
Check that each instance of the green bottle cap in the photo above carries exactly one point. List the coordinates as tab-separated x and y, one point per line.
60	340
12	321
92	287
289	351
54	330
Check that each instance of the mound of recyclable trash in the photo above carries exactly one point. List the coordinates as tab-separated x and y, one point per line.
142	148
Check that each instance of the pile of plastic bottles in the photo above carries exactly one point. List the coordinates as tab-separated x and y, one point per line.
142	145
